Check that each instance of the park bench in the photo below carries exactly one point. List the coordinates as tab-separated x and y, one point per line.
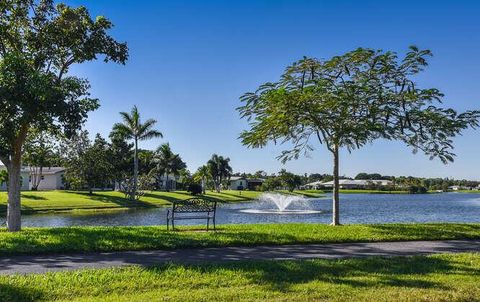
193	208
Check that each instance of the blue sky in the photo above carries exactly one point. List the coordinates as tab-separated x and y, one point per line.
191	60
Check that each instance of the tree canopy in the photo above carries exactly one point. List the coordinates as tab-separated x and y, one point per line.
351	100
39	42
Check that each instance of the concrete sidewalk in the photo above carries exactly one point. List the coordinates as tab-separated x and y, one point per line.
60	262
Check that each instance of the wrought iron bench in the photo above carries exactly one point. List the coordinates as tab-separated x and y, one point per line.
193	208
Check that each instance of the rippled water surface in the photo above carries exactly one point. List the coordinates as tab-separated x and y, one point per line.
355	208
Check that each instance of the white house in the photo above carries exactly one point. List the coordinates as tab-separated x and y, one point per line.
238	183
50	179
168	183
242	183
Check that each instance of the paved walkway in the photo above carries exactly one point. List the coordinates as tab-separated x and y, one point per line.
58	262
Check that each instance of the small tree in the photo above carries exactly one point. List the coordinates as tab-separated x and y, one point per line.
39	42
349	101
289	180
133	129
202	175
39	152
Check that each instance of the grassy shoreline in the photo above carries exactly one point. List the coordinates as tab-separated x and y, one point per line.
97	239
454	277
63	201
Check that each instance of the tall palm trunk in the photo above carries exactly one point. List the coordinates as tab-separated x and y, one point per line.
336	187
203	185
135	170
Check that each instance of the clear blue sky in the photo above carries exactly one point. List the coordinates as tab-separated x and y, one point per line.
191	60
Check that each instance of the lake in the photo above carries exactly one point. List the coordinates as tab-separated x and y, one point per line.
354	208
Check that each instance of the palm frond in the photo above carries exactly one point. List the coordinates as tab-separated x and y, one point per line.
122	130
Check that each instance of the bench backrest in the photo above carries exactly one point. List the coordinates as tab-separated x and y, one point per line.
194	205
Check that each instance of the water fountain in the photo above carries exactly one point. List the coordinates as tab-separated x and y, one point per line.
282	202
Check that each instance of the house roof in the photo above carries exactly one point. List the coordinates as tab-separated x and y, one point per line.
234	178
52	170
255	180
359	182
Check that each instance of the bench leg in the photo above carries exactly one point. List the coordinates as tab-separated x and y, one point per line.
208	223
214	226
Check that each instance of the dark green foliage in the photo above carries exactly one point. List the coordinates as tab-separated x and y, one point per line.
195	189
417	190
272	183
89	165
289	180
168	163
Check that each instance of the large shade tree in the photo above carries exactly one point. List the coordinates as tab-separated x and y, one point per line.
39	42
351	100
133	129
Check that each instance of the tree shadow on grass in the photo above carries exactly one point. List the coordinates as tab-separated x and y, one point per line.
282	276
12	293
121	201
32	197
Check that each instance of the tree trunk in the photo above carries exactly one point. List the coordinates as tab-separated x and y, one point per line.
166	182
135	171
203	185
336	187
14	222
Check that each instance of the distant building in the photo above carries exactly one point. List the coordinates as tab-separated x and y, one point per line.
350	184
167	183
242	183
51	179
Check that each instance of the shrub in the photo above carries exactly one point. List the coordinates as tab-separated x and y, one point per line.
194	189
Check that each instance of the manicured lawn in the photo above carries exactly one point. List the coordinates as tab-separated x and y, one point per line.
467	191
88	239
44	201
454	277
356	191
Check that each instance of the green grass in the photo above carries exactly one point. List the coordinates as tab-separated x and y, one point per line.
55	201
358	191
89	239
454	277
467	191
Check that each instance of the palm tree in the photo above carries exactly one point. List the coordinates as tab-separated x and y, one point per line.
203	173
133	129
219	169
168	162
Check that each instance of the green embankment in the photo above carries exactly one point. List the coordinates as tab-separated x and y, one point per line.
90	239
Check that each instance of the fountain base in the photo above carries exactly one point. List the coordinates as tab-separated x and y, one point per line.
284	212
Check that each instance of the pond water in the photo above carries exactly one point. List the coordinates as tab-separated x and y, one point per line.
354	208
